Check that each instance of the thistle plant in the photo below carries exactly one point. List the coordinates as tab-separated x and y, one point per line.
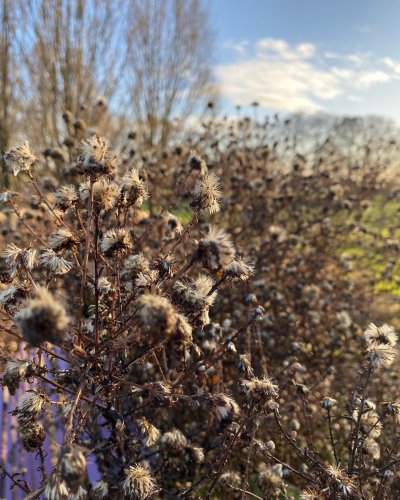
149	354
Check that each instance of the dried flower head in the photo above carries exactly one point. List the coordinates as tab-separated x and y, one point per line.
16	371
105	194
30	404
384	334
138	483
172	224
100	490
197	163
135	264
55	488
328	403
240	268
103	285
174	441
207	194
380	355
32	433
260	390
216	249
231	478
270	478
43	319
224	407
133	188
157	316
7	196
149	434
192	295
73	467
372	448
62	239
116	241
66	197
16	257
370	423
97	157
342	482
20	158
243	365
54	263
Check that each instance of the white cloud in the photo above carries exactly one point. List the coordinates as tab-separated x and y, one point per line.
298	77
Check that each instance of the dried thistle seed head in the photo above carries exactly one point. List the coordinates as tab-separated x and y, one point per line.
158	392
240	269
270	478
192	294
174	441
11	295
243	365
135	264
16	371
73	467
31	432
370	423
380	355
147	279
231	478
260	390
392	409
384	334
55	488
20	158
100	490
342	481
7	196
138	483
164	267
30	404
196	454
149	434
97	157
173	225
196	162
62	239
133	188
103	285
54	263
328	403
66	197
43	320
372	448
216	250
16	257
207	194
105	194
224	407
183	330
116	241
157	316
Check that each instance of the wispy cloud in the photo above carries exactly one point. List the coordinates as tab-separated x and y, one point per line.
299	77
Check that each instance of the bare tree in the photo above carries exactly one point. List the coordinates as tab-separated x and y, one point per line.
169	63
68	50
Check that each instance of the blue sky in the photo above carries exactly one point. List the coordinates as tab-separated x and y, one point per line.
308	55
